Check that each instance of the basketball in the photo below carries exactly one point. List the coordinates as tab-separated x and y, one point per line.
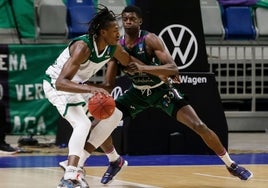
101	106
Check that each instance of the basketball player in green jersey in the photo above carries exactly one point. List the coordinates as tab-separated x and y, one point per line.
64	88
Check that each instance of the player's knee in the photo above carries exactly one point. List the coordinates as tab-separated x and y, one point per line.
200	127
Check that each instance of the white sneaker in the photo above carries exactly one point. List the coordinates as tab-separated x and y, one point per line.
82	174
82	178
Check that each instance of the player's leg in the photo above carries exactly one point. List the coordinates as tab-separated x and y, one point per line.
188	116
116	162
83	157
123	103
115	165
98	135
101	136
80	168
81	125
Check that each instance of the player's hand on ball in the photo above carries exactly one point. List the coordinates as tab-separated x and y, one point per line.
97	90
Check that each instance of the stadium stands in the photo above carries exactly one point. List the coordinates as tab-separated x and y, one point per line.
51	21
238	29
117	7
240	64
79	13
78	19
9	36
211	19
261	15
221	19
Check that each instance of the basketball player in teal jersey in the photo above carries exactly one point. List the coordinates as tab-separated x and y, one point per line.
150	87
64	88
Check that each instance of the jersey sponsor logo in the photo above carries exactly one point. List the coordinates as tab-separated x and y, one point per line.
181	43
117	91
141	51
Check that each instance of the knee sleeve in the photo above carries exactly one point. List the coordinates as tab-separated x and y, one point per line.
104	128
81	126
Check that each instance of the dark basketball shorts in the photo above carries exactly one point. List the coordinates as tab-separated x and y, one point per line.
135	101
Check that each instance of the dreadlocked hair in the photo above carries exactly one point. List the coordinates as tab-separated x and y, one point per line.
101	20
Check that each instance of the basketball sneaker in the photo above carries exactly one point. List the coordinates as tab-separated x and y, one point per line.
69	184
81	174
239	172
82	178
7	149
113	169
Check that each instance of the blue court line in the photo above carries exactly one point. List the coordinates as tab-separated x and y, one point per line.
18	161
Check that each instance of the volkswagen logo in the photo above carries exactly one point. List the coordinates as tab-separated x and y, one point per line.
181	43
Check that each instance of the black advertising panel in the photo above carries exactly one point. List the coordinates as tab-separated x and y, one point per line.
179	25
155	129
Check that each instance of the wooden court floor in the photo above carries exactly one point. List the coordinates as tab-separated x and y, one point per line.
208	176
40	169
143	171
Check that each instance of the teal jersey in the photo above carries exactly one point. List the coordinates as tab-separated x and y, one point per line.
139	52
150	90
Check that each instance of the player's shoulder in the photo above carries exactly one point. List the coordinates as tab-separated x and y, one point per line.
79	48
83	40
147	34
80	44
151	37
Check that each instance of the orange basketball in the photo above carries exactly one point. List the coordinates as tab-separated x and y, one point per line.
101	106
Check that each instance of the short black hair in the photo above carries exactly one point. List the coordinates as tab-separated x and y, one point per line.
133	8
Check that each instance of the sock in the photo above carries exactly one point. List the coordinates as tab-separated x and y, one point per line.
113	155
83	158
70	173
226	158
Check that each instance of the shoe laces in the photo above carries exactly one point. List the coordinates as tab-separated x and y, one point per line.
234	166
113	165
239	171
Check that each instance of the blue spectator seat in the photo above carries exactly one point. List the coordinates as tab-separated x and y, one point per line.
78	19
238	23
